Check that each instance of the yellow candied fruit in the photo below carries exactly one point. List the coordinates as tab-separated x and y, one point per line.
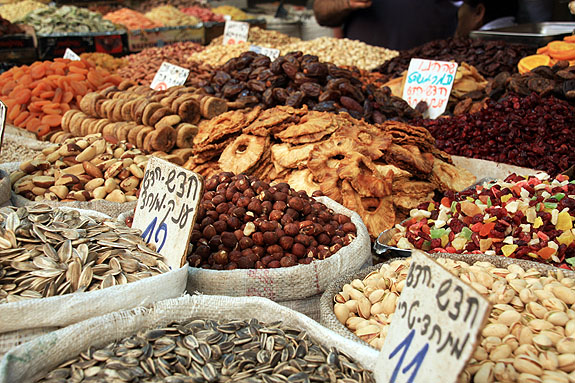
531	214
444	241
491	219
431	207
508	249
459	243
564	221
533	255
538	223
566	238
506	198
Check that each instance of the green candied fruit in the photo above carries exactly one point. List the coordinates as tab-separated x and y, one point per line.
466	232
437	233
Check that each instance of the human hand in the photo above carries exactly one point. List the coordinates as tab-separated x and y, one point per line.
359	4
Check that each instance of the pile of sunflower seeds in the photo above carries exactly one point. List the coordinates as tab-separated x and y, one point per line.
210	351
46	251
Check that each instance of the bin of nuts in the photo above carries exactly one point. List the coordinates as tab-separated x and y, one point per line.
84	169
530	333
194	339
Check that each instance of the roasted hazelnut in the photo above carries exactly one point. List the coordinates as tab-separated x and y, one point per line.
287	261
307	228
274	249
249	193
342	219
255	206
266	207
298	250
296	203
286	242
220	226
268	226
267	259
239	234
218	199
235	256
213	215
236	197
312	252
291	229
259	250
245	263
276	215
203	251
349	227
335	248
266	195
222	208
234	223
280	196
243	201
323	252
242	184
238	212
215	242
303	239
209	231
246	243
211	184
286	219
323	239
260	265
279	205
194	260
305	261
231	266
329	230
221	257
337	240
229	240
258	238
196	235
292	213
270	237
274	264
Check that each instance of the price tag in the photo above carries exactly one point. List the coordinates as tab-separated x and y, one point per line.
169	75
70	55
435	326
167	208
236	32
3	113
429	81
270	52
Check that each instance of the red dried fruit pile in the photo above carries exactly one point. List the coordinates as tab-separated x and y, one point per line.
244	223
534	132
7	28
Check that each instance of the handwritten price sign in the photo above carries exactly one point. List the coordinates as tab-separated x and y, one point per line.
429	81
169	75
435	326
167	208
235	32
270	52
3	113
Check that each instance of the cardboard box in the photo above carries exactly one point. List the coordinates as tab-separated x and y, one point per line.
158	37
52	46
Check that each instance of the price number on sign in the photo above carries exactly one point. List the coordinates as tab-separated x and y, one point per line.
169	75
270	52
71	55
436	324
3	113
235	32
429	81
167	208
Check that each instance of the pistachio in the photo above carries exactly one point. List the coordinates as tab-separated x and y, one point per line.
341	312
527	364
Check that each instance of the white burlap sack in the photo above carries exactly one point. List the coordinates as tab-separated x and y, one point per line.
298	287
113	209
34	359
5	189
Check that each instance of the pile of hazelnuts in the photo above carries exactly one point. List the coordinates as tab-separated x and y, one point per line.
244	223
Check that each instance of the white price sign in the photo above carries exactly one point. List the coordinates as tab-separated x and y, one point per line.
3	113
167	208
71	55
235	32
270	52
435	326
429	81
169	75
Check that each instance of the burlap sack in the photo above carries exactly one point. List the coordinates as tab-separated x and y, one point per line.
5	189
113	209
33	360
298	287
329	320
